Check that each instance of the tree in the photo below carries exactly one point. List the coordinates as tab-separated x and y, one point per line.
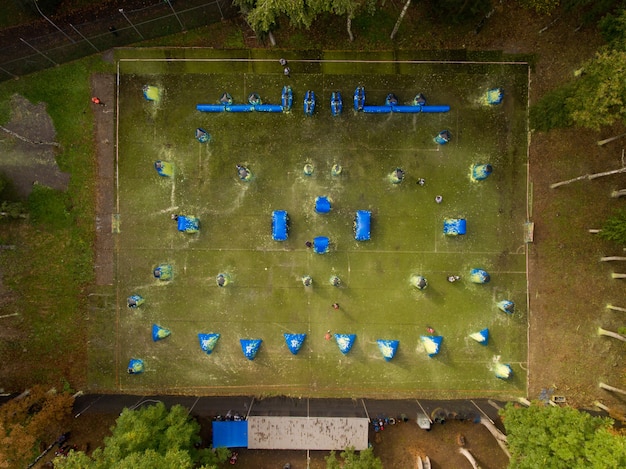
149	437
363	460
32	418
614	228
599	96
561	438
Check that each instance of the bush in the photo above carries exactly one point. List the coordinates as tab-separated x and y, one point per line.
551	112
614	228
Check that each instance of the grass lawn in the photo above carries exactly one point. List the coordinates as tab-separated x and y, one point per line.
266	297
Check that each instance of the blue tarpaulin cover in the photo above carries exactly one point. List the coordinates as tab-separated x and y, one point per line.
280	229
230	434
294	342
362	225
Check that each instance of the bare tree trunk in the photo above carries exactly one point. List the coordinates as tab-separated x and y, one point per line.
612	258
498	435
400	18
616	308
615	275
619	193
594	230
587	176
469	457
271	38
600	405
611	388
615	335
349	27
607	140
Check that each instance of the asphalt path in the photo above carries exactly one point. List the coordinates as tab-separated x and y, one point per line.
245	406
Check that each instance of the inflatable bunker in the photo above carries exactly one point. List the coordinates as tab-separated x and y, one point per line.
159	333
388	348
359	98
345	342
320	244
454	226
503	371
322	204
336	103
309	103
432	344
286	100
482	336
250	347
135	301
188	224
280	225
294	342
208	342
135	366
163	168
163	272
151	93
202	135
362	222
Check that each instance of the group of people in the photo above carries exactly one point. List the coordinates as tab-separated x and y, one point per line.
286	69
438	198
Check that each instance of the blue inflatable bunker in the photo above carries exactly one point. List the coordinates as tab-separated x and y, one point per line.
345	342
286	100
388	348
454	226
503	371
135	366
482	336
479	276
432	344
294	342
250	347
202	135
362	225
309	103
188	224
135	301
336	103
163	272
320	244
280	225
359	98
322	204
163	168
506	306
159	332
208	342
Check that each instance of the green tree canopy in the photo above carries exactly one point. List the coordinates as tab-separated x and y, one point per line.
614	228
351	460
149	437
561	438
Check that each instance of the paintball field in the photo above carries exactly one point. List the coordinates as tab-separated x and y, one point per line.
266	297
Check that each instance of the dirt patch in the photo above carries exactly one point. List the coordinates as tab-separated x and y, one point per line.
29	148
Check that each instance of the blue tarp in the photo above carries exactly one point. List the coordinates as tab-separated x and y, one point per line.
362	225
322	204
320	244
280	228
230	434
454	226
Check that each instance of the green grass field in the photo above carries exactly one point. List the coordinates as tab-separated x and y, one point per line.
266	297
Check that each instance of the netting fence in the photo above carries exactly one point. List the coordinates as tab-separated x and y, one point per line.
52	42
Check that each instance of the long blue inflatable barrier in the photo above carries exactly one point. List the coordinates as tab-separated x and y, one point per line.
442	108
377	109
211	107
240	108
268	108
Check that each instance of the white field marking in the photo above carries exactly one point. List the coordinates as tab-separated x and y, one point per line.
451	62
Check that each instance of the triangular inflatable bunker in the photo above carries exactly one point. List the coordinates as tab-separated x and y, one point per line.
432	344
482	336
208	341
388	348
159	333
503	371
202	135
494	96
135	366
345	342
294	342
163	168
250	347
506	306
